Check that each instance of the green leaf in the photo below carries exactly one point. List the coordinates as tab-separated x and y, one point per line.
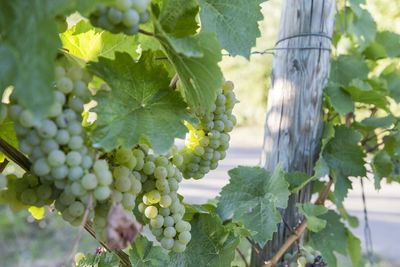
363	27
363	92
390	41
139	105
345	158
8	67
354	247
145	254
311	212
8	134
234	21
297	180
179	22
104	259
340	99
384	122
331	238
32	36
393	84
212	244
254	202
352	220
374	51
89	43
196	62
356	6
346	68
382	167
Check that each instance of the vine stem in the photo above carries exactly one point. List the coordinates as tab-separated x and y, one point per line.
146	33
19	158
300	229
243	257
174	81
3	165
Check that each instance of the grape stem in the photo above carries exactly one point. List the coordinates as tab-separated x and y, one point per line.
74	248
242	256
146	33
299	230
19	158
3	165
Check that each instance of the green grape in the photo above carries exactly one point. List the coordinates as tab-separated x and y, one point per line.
104	177
177	160
178	247
75	73
165	201
162	185
131	164
138	153
160	172
136	186
167	243
168	221
19	185
121	171
25	147
198	151
153	196
144	17
184	237
74	159
75	128
47	129
132	30
40	167
76	209
287	256
146	200
26	118
309	257
157	222
193	167
77	189
56	158
139	164
44	192
76	104
102	193
173	184
62	137
123	155
164	212
117	196
60	172
182	226
130	18
161	161
151	212
114	15
169	232
86	162
141	207
29	197
89	181
140	5
123	5
123	183
171	170
149	168
128	201
75	143
55	109
65	85
66	199
301	260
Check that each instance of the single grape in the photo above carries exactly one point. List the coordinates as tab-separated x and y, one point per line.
184	237
75	173
62	137
104	177
102	193
26	118
75	143
40	167
77	189
164	211
167	243
65	85
123	5
123	183
56	158
128	201
157	222
151	212
182	226
130	18
153	197
178	247
60	172
47	129
114	15
89	181
149	168
86	162
165	201
144	17
29	197
76	209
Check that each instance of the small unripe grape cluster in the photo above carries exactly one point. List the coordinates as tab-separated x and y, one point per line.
209	140
306	259
160	204
122	16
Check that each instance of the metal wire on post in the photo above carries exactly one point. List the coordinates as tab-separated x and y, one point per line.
367	229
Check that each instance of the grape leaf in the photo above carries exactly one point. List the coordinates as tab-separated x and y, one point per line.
8	67
354	247
361	91
179	22
196	62
254	202
393	83
345	158
363	27
383	122
346	68
382	166
8	134
89	43
390	41
340	99
312	212
140	104
104	259
331	238
145	254
297	180
234	21
212	244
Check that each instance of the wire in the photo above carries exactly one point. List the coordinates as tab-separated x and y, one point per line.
367	229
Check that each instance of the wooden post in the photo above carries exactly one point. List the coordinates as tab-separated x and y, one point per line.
294	120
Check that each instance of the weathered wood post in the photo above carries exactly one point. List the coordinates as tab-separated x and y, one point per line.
294	120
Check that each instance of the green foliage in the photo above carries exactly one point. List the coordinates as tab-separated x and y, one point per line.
139	105
297	180
255	202
103	259
212	244
382	166
226	18
7	134
312	212
144	253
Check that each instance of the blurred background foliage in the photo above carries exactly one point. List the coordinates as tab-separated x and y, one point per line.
27	242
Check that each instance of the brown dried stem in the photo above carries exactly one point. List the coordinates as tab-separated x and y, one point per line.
299	230
3	165
174	81
243	257
146	32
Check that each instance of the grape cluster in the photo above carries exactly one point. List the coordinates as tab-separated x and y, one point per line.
123	16
306	259
160	204
209	140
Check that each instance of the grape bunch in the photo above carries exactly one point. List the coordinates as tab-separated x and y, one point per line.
122	16
209	140
160	204
306	259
